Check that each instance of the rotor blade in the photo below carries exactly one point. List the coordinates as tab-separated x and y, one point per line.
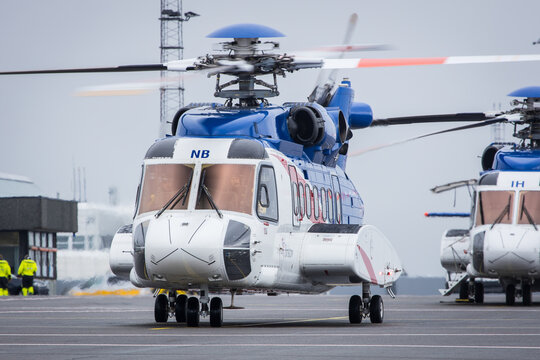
123	68
325	80
349	48
453	185
450	60
459	128
431	119
177	65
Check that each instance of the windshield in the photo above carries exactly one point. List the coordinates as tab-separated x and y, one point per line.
230	187
161	183
529	207
495	207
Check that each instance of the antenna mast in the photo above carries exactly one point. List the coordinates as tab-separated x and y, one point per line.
172	48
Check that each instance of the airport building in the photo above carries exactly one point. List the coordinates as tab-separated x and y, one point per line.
29	224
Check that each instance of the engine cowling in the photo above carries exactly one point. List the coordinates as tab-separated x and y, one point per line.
120	255
305	125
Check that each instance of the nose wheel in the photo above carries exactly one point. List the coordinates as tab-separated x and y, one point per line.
161	308
371	306
193	314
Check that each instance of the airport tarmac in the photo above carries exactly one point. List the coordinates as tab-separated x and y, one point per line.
292	327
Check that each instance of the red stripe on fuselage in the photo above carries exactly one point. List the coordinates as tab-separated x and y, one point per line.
369	266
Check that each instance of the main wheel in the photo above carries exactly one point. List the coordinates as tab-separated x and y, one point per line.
216	312
192	317
510	294
376	309
464	290
180	308
478	292
527	295
161	311
355	309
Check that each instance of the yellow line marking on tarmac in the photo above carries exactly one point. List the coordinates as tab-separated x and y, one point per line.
120	292
162	328
292	321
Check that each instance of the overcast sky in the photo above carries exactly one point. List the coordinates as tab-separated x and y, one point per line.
45	131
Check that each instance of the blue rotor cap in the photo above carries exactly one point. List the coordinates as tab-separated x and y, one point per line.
529	92
240	31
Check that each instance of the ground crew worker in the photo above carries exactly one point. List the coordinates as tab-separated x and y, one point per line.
5	276
27	269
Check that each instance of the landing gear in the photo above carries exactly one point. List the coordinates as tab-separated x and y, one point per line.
216	312
526	292
376	309
464	291
193	315
161	308
367	305
478	292
355	309
180	308
510	294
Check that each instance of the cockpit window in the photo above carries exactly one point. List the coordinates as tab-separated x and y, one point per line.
529	207
495	207
230	186
161	183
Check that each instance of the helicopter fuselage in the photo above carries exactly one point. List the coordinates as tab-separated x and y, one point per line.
273	223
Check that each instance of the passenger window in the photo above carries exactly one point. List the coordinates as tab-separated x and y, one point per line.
338	208
330	207
309	197
316	206
324	203
267	200
302	196
294	190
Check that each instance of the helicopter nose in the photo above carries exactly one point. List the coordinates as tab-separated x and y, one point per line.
178	248
511	250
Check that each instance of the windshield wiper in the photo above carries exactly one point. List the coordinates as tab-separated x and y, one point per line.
181	194
208	195
528	214
500	217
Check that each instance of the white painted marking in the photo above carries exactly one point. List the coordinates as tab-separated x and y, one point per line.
244	335
225	345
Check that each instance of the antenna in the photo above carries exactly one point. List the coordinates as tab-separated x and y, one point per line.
172	48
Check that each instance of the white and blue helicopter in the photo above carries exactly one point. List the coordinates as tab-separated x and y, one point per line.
503	241
246	195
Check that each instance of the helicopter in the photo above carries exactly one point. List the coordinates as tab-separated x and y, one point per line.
503	239
246	195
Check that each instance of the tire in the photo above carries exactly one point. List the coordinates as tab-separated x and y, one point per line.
180	308
510	294
527	295
464	290
161	311
355	309
216	312
192	318
376	309
478	292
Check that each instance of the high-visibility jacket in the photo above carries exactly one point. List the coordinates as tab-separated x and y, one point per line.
28	267
5	269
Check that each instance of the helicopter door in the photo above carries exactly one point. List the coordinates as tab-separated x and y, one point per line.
336	199
295	196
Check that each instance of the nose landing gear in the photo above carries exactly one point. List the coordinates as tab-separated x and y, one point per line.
188	310
371	306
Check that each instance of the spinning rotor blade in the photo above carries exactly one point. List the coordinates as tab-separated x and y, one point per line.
431	119
459	128
450	60
178	65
